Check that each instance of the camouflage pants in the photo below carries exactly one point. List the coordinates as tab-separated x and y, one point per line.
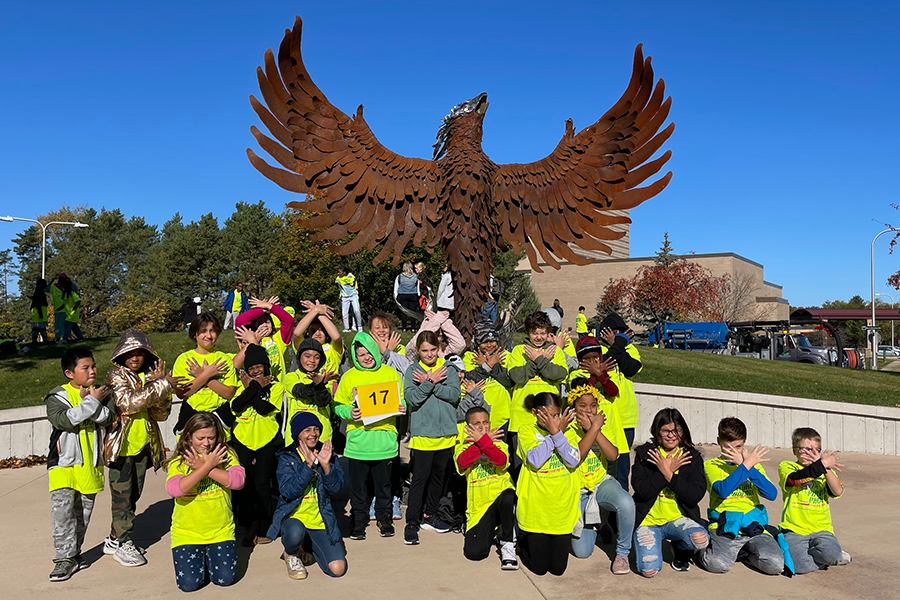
126	482
70	513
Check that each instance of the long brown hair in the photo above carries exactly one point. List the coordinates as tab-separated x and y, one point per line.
195	424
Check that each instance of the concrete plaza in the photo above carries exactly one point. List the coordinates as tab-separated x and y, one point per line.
866	518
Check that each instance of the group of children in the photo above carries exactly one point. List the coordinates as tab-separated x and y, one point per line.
66	310
534	443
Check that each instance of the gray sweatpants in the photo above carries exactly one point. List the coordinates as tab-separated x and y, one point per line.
763	553
70	513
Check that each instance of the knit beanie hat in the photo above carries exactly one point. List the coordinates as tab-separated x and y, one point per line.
587	344
484	330
311	344
256	355
614	322
301	421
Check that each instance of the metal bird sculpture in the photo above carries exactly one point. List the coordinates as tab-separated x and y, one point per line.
460	200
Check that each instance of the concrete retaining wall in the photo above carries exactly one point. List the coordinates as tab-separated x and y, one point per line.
771	419
25	431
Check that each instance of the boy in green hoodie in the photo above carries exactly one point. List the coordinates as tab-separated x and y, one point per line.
370	448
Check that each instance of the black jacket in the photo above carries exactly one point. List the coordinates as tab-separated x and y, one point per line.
688	485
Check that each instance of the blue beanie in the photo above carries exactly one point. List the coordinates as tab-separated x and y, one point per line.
301	421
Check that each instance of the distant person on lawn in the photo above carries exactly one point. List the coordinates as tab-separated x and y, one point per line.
235	304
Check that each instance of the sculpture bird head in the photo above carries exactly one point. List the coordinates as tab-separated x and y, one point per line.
464	121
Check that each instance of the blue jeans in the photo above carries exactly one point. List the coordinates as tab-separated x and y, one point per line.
195	563
814	551
648	541
490	309
292	533
349	304
623	463
610	496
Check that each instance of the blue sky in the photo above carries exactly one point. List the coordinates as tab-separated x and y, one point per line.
786	121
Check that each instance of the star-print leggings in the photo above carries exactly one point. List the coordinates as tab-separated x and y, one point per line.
195	564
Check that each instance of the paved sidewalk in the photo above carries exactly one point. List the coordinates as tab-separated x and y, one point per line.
866	517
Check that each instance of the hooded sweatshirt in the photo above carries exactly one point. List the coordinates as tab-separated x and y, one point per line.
304	395
139	403
256	408
377	441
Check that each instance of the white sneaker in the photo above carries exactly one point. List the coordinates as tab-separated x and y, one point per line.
508	561
110	546
845	559
295	567
128	555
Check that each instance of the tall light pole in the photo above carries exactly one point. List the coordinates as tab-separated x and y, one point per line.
875	345
892	320
44	227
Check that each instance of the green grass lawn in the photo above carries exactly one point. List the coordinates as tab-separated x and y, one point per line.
25	380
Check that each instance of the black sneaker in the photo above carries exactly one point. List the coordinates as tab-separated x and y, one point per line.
436	525
82	563
358	534
63	569
681	565
411	535
386	529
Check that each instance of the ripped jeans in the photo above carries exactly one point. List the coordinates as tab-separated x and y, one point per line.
684	533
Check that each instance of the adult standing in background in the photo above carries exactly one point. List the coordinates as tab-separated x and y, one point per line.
349	298
235	304
425	288
60	288
558	308
445	299
39	314
406	291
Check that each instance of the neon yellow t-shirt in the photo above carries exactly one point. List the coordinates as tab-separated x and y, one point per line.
495	394
84	478
333	358
203	515
485	481
548	496
73	308
743	499
39	315
204	399
581	323
806	508
237	304
626	401
275	348
255	430
612	415
296	405
665	509
593	469
378	440
518	416
307	512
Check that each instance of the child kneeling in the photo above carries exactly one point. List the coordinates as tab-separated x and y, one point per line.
201	474
491	499
308	474
807	485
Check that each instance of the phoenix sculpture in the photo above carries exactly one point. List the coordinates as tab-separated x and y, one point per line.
460	200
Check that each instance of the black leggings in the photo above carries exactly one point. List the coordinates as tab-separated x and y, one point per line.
255	500
409	302
499	520
542	552
429	469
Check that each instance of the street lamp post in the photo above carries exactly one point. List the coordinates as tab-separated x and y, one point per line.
44	227
892	320
874	345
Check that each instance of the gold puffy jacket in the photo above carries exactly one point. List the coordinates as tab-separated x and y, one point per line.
131	395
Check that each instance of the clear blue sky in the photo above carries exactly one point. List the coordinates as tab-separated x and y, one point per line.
785	149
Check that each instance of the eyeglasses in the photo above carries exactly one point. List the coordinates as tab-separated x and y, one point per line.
807	449
671	433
